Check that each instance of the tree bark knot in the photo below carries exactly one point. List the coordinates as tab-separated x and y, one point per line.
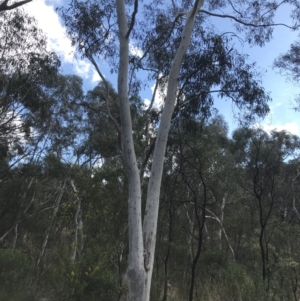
146	260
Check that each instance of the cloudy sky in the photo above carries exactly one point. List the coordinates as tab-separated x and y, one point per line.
282	92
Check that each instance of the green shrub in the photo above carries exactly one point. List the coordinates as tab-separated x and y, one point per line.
15	273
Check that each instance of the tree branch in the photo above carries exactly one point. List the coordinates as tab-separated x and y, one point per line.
136	5
146	158
246	23
91	58
223	230
235	8
4	6
196	8
138	62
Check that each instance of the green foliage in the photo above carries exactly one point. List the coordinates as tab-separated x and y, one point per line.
14	269
232	283
229	208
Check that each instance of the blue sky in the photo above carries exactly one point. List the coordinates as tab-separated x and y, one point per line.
282	92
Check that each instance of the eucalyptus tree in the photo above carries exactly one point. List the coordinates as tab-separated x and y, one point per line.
205	166
161	38
26	67
263	173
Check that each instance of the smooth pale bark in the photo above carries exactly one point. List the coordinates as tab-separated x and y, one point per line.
46	236
153	193
190	254
222	218
135	269
78	225
15	238
294	198
142	239
214	217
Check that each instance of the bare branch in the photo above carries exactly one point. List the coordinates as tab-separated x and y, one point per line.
78	223
153	95
223	230
91	58
146	158
235	8
4	6
246	23
274	8
174	7
155	42
136	5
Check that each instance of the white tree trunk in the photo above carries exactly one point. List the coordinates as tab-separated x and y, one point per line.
153	193
16	237
221	219
135	270
142	240
294	198
214	217
78	225
56	205
48	230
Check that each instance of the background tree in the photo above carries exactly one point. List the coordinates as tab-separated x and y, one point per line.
26	69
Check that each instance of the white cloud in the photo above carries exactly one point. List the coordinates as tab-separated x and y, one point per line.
159	97
58	41
160	94
291	127
49	23
55	2
82	68
95	76
134	50
147	102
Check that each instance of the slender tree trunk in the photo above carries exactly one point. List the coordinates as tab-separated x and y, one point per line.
190	253
46	237
16	237
221	220
294	197
223	230
135	270
262	251
153	193
142	240
166	261
200	223
78	226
